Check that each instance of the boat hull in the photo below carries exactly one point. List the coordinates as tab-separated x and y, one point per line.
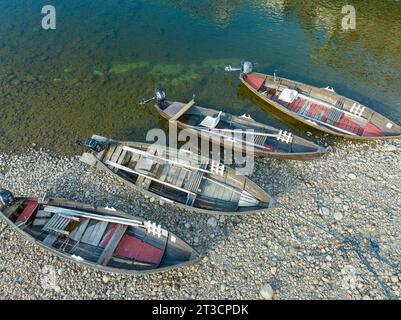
299	156
91	159
321	128
195	257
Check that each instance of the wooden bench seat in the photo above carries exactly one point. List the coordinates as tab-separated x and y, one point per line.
133	248
28	212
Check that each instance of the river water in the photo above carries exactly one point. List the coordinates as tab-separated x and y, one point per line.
89	74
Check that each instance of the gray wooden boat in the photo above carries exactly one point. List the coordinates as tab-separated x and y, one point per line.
100	238
178	176
320	108
243	133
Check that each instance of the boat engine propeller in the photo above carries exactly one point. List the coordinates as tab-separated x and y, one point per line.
160	97
92	144
246	68
6	198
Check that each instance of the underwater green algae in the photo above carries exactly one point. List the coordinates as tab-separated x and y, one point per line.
167	70
128	67
59	110
59	107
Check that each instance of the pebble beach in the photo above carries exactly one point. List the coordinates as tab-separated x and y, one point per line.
335	233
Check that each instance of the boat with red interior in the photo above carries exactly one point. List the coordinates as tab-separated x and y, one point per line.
320	108
241	133
100	238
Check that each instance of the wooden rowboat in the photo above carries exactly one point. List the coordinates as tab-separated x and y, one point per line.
322	109
242	133
96	237
178	176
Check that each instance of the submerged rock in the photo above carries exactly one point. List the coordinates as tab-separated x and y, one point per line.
98	73
167	69
128	67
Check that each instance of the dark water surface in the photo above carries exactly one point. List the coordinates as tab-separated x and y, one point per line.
89	75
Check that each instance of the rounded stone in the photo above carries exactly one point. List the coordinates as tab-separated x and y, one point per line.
212	222
391	148
267	292
352	176
338	215
338	200
106	279
324	211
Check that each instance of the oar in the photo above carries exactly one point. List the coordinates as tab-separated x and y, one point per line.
234	140
80	214
151	227
147	154
233	190
115	165
238	141
328	125
242	131
328	105
120	167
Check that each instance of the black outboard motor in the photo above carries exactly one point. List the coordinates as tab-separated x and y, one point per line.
160	96
6	198
95	145
92	144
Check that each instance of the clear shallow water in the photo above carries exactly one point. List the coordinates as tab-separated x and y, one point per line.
89	75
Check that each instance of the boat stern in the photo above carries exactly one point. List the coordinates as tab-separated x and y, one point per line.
88	158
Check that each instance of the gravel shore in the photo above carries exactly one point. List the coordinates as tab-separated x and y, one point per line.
334	235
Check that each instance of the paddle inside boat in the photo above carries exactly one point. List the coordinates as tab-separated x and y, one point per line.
242	133
101	238
320	108
178	176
